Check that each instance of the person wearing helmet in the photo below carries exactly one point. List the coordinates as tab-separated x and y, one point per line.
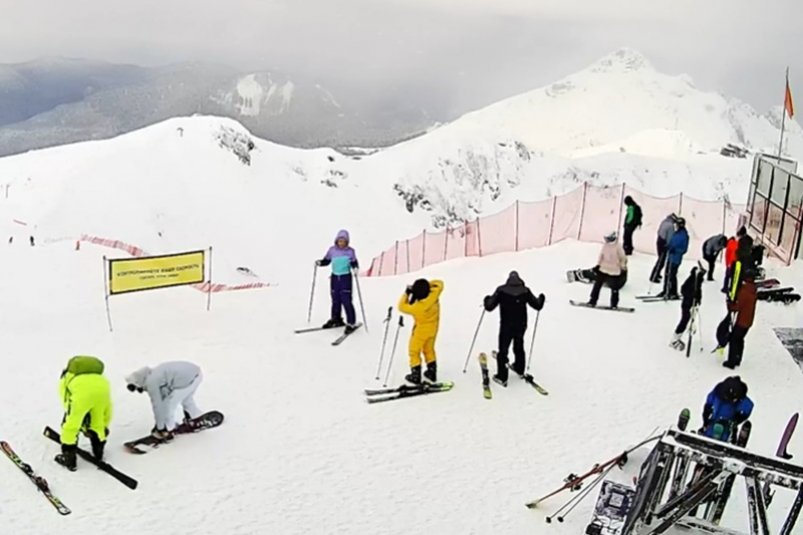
727	405
675	250
422	301
632	222
611	270
343	260
512	298
665	231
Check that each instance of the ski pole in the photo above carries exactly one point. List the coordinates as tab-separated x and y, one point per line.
393	350
359	296
532	342
575	501
473	340
312	292
386	321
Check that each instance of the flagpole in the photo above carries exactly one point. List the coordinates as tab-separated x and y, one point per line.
783	114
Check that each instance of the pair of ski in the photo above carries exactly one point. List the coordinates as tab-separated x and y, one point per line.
655	298
406	391
339	340
486	383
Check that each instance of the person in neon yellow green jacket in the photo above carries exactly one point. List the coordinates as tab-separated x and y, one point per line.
86	396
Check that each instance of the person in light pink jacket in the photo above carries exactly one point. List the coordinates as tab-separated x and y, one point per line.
611	270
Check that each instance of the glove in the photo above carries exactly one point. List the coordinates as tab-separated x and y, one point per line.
486	302
408	290
319	262
354	264
540	301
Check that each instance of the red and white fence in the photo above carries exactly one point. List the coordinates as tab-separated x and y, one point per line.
585	214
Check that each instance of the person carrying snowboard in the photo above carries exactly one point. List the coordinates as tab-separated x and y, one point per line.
632	222
692	295
611	270
665	231
727	405
512	298
675	250
711	249
745	308
170	385
86	396
343	260
422	302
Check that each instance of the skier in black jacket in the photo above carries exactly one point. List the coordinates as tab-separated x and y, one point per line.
692	295
512	298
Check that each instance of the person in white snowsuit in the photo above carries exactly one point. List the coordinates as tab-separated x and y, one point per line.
170	385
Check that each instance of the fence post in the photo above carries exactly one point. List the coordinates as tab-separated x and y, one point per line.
516	231
465	239
382	263
582	210
446	241
552	219
479	236
724	214
407	247
423	248
621	203
396	259
680	204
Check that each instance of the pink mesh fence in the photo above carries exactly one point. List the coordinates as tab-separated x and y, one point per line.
585	214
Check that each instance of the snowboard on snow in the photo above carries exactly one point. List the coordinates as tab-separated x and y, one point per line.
205	421
486	383
613	504
39	482
600	307
781	452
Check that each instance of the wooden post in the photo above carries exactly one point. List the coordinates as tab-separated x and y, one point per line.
396	259
407	248
552	219
516	231
423	248
479	235
680	204
209	293
582	210
621	203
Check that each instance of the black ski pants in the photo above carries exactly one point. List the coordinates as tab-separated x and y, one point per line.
627	243
671	279
508	334
685	317
660	249
736	345
712	261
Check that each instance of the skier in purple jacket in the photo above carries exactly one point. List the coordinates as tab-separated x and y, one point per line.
343	259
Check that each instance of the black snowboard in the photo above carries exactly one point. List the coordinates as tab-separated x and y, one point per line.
205	421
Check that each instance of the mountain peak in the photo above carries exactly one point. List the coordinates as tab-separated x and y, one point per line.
623	60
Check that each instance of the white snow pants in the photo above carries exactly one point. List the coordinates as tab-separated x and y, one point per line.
183	398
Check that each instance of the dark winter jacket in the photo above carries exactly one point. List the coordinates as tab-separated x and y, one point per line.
667	228
728	405
512	299
678	246
692	289
633	215
744	252
745	304
714	245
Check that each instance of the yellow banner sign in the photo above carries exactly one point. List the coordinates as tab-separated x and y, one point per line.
151	272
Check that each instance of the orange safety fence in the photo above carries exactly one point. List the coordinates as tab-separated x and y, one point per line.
585	214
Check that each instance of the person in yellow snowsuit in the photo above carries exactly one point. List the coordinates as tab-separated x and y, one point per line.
86	396
422	301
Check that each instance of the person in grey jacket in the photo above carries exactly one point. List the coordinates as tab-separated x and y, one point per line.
169	385
665	232
711	249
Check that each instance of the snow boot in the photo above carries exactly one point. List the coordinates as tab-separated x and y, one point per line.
67	457
677	343
414	376
499	381
97	445
333	323
431	373
350	329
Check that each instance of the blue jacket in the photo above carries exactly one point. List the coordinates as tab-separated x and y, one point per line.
678	246
718	410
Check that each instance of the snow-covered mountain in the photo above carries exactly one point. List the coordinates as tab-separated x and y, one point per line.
53	102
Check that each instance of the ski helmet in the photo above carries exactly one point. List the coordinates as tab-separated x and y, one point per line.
680	221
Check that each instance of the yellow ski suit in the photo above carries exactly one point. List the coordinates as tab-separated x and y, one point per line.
427	314
87	405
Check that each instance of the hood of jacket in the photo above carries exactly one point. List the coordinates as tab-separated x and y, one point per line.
139	377
342	234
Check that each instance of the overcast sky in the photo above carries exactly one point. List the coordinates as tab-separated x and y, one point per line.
464	53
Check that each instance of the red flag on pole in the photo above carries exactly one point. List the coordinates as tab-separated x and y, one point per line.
788	105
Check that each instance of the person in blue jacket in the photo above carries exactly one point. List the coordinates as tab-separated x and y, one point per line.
676	248
343	259
728	405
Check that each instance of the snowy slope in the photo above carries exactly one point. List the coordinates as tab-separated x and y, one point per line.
300	451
